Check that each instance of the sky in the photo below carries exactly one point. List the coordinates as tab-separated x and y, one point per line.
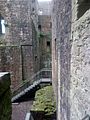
3	26
44	0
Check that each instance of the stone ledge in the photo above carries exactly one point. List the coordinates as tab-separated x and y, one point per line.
4	82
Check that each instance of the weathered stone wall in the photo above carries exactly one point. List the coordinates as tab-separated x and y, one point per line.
62	48
45	22
23	31
18	61
34	13
21	14
80	67
45	41
3	8
21	37
10	60
73	75
35	48
4	12
5	97
20	28
27	62
54	49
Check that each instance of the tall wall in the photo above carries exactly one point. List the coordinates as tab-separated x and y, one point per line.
71	53
10	60
61	55
21	40
20	19
45	40
4	12
80	61
54	48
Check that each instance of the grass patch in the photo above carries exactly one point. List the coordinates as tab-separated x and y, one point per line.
44	101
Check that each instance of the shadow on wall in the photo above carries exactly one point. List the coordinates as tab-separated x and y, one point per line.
83	7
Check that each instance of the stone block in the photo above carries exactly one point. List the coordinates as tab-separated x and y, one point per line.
5	96
4	82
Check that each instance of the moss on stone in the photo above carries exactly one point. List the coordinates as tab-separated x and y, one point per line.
44	101
6	106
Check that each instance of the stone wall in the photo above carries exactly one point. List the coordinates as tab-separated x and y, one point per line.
72	55
11	61
18	61
80	66
3	8
21	14
54	49
27	62
5	96
18	54
20	22
45	22
45	27
4	12
61	54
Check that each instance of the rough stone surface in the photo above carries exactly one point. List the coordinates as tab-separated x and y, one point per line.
5	97
10	61
44	38
54	49
19	110
61	55
18	54
20	22
21	55
71	53
80	68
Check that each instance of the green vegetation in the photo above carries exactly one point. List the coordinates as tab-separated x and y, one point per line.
40	35
44	101
5	105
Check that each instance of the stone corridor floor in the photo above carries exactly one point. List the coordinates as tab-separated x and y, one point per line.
19	110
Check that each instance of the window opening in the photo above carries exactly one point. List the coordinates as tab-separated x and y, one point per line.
55	48
39	27
33	9
2	25
48	43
